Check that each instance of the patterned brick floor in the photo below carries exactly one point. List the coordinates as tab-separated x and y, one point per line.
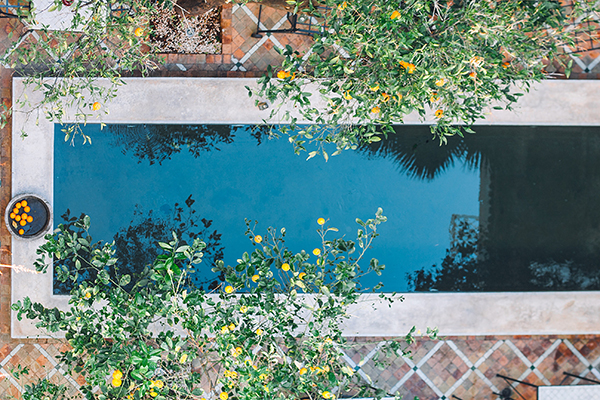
455	367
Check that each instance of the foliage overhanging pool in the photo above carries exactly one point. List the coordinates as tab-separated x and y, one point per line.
508	209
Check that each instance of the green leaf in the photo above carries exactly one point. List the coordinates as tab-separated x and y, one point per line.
125	279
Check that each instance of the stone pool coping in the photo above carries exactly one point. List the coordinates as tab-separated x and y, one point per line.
222	100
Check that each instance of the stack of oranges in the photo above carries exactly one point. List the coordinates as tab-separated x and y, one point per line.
20	217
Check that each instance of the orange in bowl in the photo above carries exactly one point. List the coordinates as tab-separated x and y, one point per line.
18	205
24	216
27	208
12	215
15	210
23	222
30	219
17	218
21	231
24	203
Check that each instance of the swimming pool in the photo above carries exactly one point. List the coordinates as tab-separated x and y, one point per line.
224	101
507	209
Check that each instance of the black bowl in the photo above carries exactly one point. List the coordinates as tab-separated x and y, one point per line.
31	219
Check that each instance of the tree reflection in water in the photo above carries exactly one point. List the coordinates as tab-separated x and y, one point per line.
539	223
136	245
157	143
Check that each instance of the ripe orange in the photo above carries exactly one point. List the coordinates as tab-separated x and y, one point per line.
24	216
27	208
15	210
12	215
96	106
23	222
138	32
21	231
24	203
17	218
18	205
30	219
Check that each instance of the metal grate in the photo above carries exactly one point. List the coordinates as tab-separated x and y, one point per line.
303	24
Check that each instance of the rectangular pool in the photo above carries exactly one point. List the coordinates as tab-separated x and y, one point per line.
507	209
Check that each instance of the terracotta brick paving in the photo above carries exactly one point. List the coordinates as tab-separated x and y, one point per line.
463	367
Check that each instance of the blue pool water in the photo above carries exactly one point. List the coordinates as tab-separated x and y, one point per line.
506	209
266	182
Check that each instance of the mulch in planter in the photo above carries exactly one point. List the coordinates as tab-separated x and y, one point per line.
191	35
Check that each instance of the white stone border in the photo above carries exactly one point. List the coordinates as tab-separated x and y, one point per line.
223	100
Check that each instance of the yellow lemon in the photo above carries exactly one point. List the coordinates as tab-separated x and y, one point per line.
224	330
303	371
87	296
117	374
347	95
327	395
116	382
228	289
231	326
343	6
375	110
223	396
243	309
258	238
375	87
183	358
138	32
153	393
317	252
440	82
255	278
283	74
159	384
439	113
395	14
321	221
96	106
285	266
259	331
301	275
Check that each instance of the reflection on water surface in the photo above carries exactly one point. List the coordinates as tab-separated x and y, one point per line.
507	209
